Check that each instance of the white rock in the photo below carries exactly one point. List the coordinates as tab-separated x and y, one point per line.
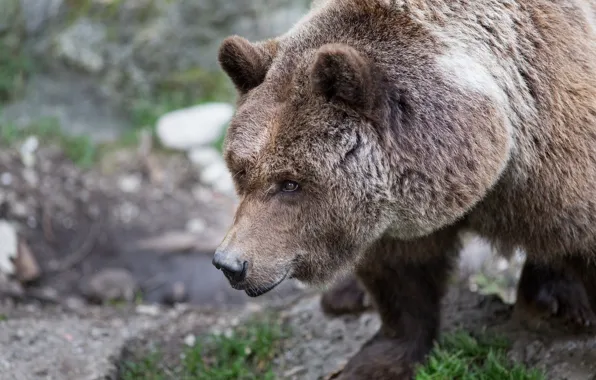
152	310
225	185
214	172
27	268
205	156
6	179
130	183
27	151
8	247
190	340
196	126
196	226
111	284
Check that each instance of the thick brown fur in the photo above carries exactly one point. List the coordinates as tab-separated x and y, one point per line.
372	133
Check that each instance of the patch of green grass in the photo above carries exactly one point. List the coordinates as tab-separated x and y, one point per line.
79	149
246	354
3	318
464	357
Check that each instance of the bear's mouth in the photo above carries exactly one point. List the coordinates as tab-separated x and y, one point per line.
259	291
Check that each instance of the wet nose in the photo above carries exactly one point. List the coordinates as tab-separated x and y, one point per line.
231	265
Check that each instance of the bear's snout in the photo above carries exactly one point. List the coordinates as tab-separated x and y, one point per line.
231	264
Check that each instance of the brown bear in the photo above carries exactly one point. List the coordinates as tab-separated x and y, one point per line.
374	132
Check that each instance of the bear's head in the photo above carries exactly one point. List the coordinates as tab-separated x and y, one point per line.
329	151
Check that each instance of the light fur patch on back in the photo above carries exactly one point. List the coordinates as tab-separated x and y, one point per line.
469	69
469	73
589	12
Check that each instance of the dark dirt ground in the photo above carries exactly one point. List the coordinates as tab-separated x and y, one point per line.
320	346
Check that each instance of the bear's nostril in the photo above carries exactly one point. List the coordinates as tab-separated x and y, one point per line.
242	275
237	274
234	270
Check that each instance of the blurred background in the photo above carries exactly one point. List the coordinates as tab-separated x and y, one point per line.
112	114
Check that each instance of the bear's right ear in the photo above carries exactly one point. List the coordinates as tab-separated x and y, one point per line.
245	63
340	73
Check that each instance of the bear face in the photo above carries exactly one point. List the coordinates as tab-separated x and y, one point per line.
339	139
299	161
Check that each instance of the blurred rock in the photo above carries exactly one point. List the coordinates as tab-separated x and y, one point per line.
27	151
196	226
75	303
130	183
218	177
10	287
111	284
31	177
176	294
26	266
196	126
168	242
152	310
213	170
204	156
8	247
6	179
36	14
80	45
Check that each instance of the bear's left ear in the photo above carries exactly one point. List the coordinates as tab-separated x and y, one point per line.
244	62
340	73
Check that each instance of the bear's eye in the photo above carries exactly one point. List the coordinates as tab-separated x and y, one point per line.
289	186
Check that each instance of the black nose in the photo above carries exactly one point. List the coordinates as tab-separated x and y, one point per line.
232	267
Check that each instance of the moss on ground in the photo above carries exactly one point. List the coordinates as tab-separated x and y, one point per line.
246	354
464	357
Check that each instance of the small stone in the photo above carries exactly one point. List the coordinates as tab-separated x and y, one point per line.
152	310
74	303
502	264
225	184
27	151
190	340
6	179
196	126
30	177
171	241
177	294
205	156
19	210
212	173
111	284
196	225
8	248
130	183
12	287
26	266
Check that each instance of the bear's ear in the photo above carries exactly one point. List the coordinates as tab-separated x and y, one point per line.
340	73
245	63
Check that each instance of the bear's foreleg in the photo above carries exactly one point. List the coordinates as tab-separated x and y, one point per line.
406	281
